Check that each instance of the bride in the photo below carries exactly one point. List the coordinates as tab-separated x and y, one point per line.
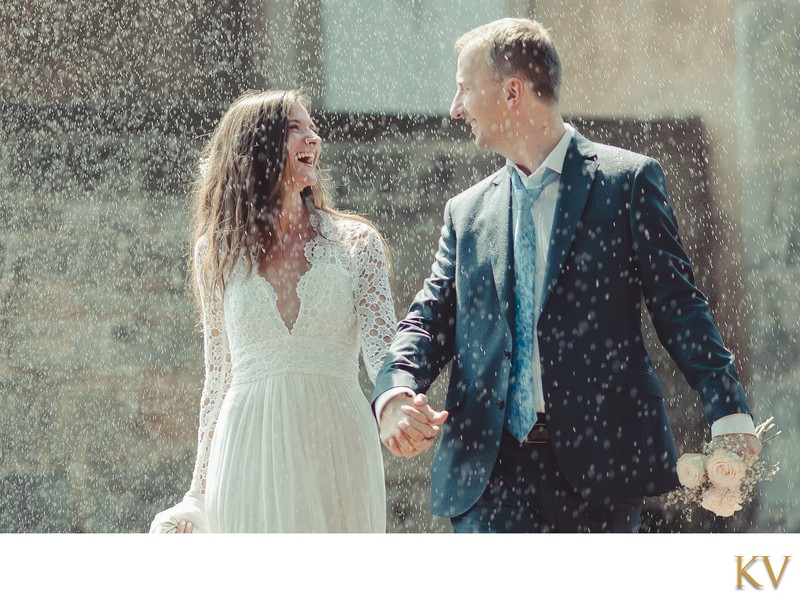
291	291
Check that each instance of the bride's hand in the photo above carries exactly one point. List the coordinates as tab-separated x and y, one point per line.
187	516
409	425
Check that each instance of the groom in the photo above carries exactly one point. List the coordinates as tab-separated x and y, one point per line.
555	418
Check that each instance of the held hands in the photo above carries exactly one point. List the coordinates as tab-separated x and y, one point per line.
409	425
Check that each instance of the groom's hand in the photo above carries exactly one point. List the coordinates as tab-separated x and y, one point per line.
409	425
744	445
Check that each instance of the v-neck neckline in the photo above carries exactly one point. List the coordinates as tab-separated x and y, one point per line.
289	328
308	249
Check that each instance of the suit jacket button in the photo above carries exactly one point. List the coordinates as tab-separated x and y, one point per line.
501	404
507	353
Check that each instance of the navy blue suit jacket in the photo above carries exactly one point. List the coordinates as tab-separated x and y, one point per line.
614	248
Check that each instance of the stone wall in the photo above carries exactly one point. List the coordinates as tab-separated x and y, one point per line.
99	350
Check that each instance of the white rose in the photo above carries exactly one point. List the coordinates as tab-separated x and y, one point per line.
722	502
691	470
725	469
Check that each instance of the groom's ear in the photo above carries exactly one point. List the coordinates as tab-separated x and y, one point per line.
514	89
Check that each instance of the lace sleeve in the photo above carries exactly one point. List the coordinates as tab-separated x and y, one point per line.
375	308
217	373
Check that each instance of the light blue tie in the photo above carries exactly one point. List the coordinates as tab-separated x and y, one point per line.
521	410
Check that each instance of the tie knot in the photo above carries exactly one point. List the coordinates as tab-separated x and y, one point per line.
535	190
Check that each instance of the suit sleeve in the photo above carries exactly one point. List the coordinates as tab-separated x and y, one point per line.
679	310
424	341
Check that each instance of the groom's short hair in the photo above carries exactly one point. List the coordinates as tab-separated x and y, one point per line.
518	47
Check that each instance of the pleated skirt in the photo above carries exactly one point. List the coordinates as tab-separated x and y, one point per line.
296	453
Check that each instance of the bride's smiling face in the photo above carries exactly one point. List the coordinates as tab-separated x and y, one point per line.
303	148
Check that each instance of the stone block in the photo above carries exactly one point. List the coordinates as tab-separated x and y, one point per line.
23	213
168	163
29	410
35	502
42	345
170	417
154	344
157	263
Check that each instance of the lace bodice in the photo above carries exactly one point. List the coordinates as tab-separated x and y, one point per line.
346	309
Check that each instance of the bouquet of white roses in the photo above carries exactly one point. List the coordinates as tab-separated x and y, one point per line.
720	480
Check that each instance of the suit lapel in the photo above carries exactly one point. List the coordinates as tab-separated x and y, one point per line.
580	165
498	231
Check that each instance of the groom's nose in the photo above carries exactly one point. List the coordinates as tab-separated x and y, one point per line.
457	108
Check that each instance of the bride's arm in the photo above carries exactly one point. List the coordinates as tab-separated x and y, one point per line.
217	361
375	308
217	381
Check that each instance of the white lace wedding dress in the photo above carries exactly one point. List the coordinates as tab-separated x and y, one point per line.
287	441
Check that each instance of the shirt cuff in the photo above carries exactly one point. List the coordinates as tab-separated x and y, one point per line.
733	424
384	398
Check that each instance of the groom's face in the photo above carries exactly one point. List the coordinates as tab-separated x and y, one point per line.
479	100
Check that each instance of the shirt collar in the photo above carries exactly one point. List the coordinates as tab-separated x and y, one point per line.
554	161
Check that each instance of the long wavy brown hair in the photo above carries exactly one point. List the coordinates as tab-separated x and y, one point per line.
236	199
